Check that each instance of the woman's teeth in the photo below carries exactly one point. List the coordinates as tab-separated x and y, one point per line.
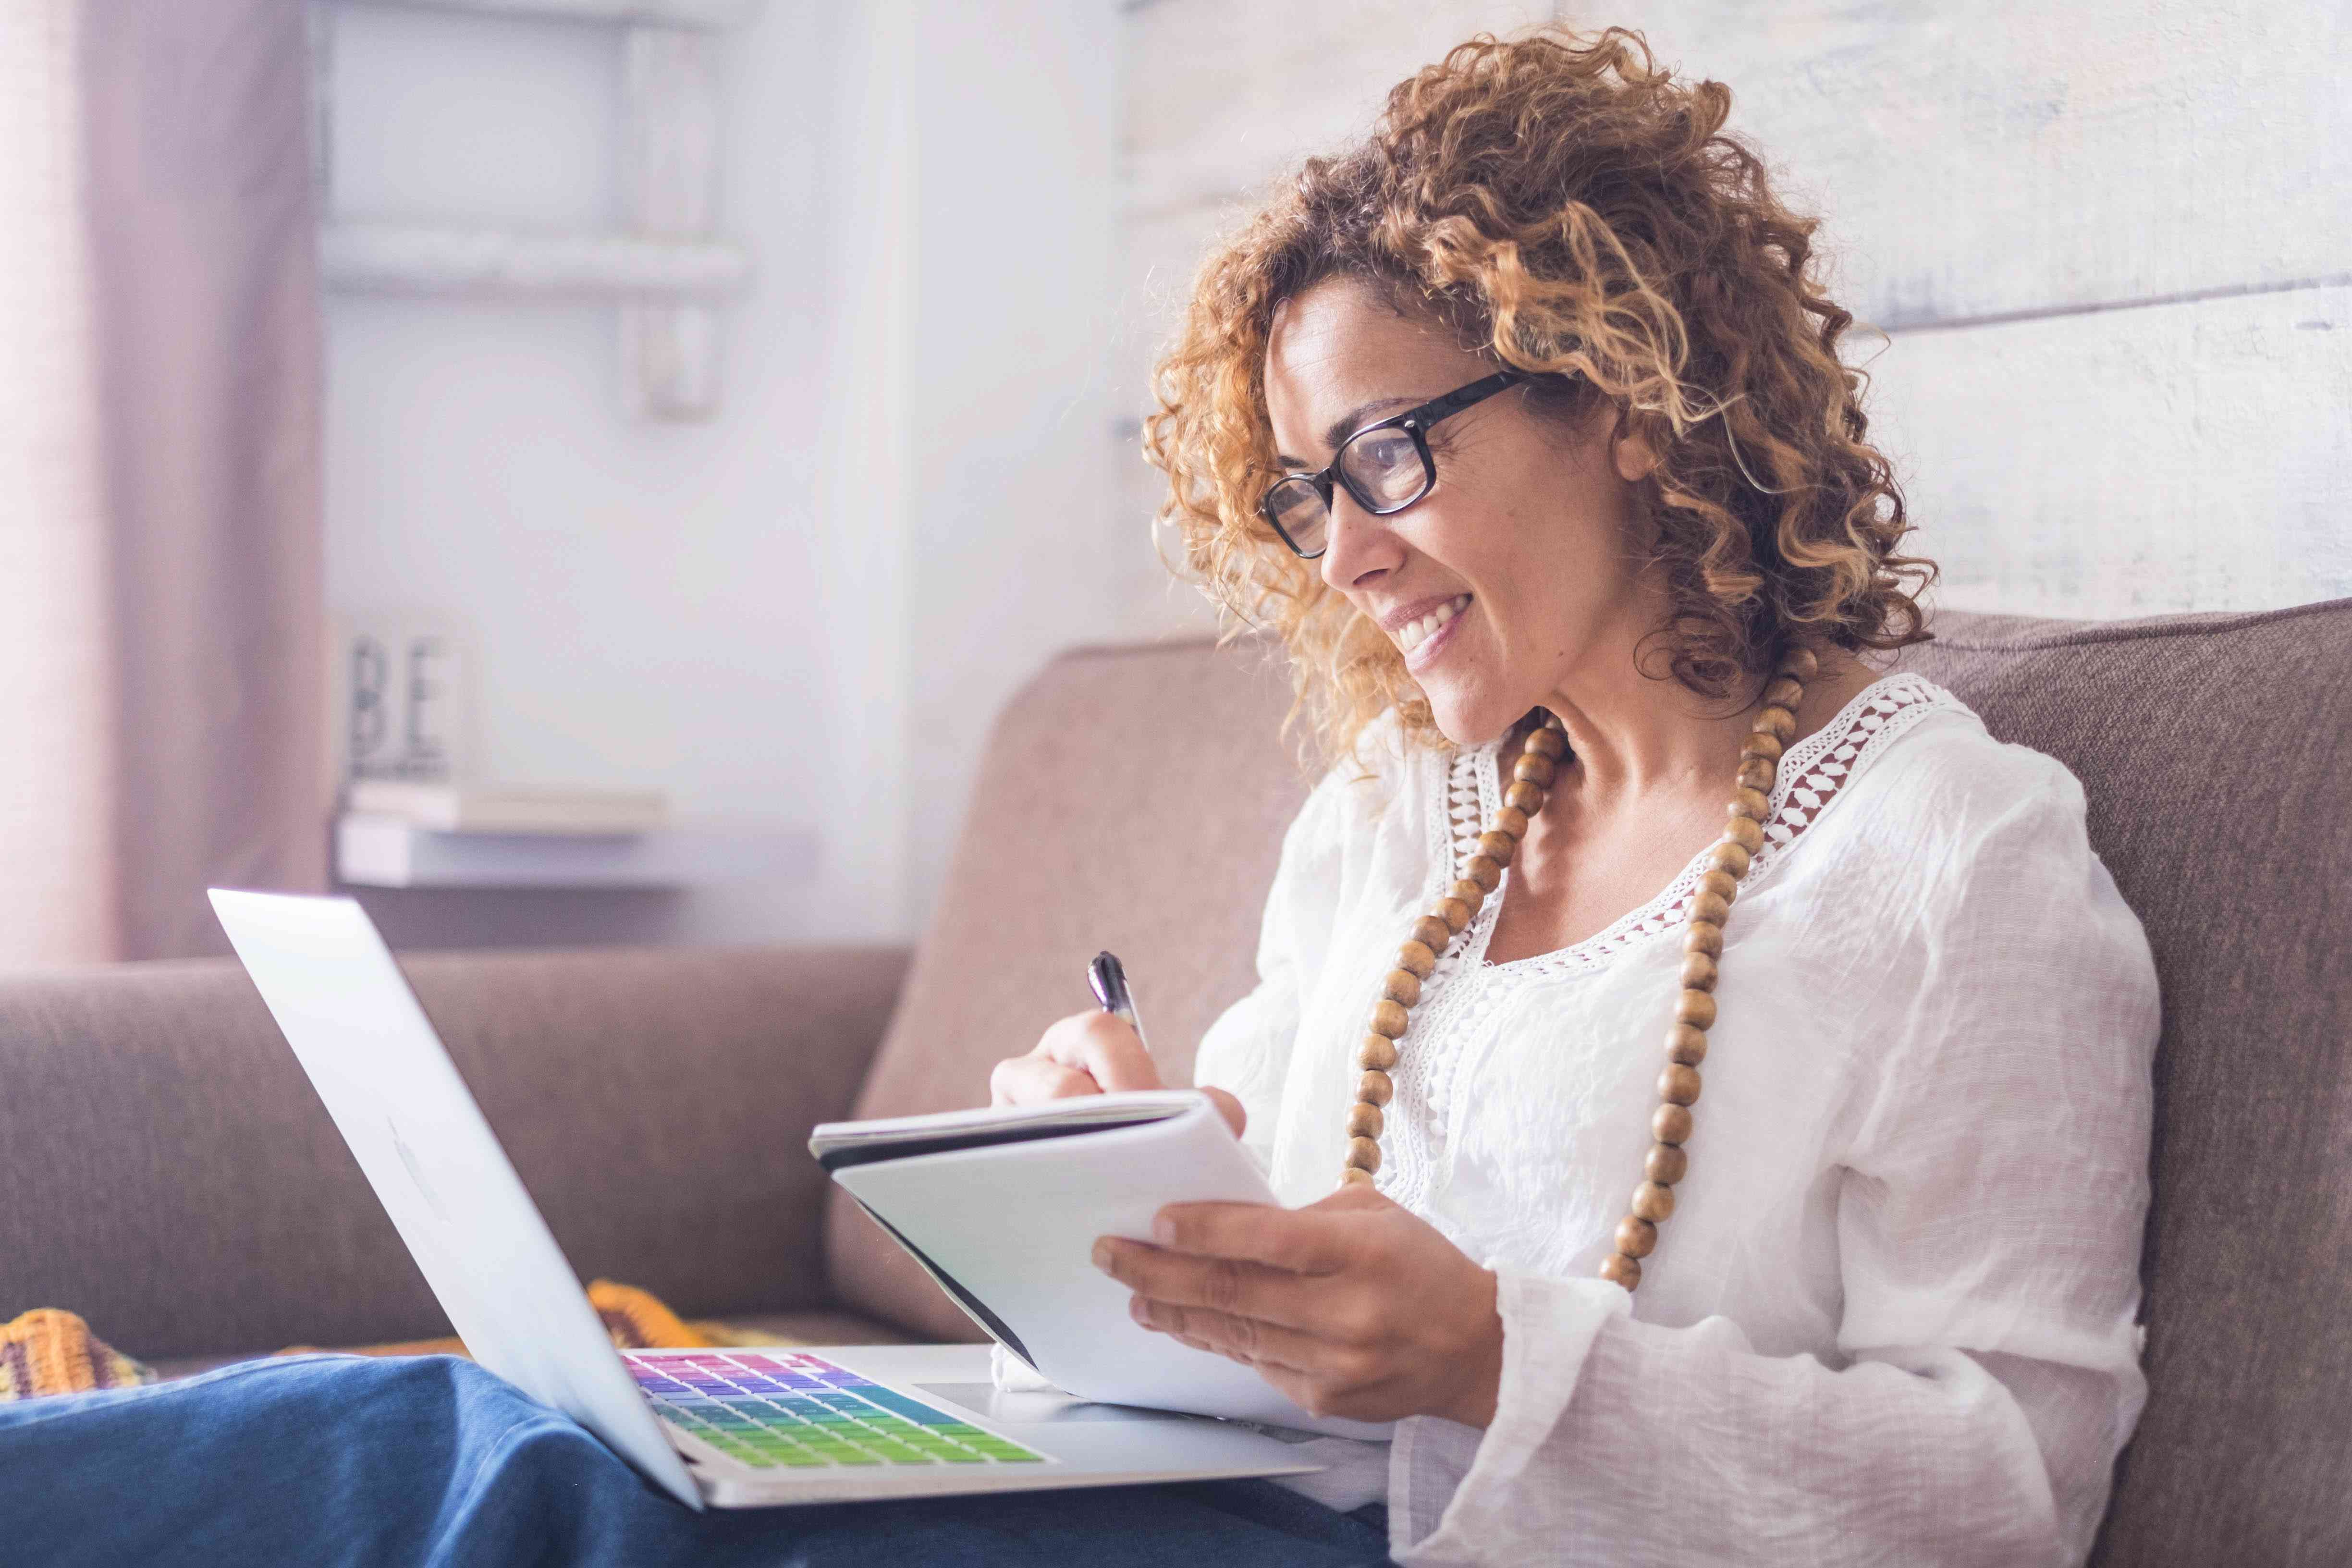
1412	634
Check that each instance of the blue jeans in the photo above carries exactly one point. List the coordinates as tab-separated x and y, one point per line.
343	1459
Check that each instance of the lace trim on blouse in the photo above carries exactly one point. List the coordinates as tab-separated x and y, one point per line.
1453	1007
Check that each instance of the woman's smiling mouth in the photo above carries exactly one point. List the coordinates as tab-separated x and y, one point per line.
1420	638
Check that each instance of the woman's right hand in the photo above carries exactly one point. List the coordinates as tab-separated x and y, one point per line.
1093	1052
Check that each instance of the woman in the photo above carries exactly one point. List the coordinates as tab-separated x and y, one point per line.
1891	1316
1523	425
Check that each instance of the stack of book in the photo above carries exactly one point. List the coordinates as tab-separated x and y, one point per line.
480	808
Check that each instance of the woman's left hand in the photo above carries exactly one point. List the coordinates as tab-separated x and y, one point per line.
1353	1306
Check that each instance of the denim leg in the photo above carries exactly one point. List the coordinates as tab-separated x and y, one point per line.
431	1460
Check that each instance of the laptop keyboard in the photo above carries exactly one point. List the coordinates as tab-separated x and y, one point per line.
780	1409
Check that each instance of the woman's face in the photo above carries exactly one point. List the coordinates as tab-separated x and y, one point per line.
1512	574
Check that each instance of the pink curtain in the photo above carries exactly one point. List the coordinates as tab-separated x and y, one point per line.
175	719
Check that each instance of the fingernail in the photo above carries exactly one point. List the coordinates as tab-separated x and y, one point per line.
1163	1230
1102	1255
1140	1310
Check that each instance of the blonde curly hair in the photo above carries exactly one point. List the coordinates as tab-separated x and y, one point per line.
1608	236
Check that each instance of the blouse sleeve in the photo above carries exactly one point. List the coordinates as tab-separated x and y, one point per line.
1993	1182
1247	1050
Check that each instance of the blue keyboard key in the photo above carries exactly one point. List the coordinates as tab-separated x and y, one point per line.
912	1409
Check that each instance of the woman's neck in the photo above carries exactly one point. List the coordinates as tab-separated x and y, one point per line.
1633	736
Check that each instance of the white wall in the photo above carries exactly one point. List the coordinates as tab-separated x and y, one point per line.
804	614
2107	242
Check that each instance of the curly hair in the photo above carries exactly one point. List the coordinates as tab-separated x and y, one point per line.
1610	238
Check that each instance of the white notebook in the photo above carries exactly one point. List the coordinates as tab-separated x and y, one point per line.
1002	1209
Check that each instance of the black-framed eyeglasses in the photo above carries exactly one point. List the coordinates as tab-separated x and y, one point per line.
1385	466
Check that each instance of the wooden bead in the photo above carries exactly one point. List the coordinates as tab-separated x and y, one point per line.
1545	741
1377	1052
1757	775
1678	1084
1535	768
1363	1120
1524	796
1434	933
1801	663
1666	1165
1417	957
1483	869
1388	1018
1784	692
1746	832
1722	884
1620	1269
1453	911
1761	744
1364	1154
1698	972
1669	1124
1684	1044
1471	894
1705	936
1696	1008
1752	803
1636	1237
1778	723
1403	987
1729	857
1509	819
1375	1089
1651	1201
1352	1177
1710	909
1497	846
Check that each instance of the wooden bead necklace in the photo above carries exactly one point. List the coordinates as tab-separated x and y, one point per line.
1452	912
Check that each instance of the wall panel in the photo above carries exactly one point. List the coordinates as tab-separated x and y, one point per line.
2107	242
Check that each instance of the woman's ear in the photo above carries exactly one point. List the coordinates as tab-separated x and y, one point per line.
1635	457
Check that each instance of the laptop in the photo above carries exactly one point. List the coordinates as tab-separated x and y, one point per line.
723	1428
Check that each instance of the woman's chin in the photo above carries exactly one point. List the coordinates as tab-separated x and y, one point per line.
1466	721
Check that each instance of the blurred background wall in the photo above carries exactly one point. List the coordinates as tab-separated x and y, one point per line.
2099	251
798	616
2101	242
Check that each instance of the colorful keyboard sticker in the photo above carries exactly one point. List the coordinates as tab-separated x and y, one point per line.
783	1410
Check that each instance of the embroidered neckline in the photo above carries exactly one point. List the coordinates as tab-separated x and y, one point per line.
1812	774
1464	988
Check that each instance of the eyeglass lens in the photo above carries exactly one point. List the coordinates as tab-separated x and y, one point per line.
1382	469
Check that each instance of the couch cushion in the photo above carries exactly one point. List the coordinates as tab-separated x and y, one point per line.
1136	800
1132	799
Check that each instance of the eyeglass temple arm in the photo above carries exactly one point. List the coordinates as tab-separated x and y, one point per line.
1461	398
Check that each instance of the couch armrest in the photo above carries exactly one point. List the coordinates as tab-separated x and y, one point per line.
166	1170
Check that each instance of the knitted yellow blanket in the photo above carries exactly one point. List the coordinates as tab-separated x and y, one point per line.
51	1352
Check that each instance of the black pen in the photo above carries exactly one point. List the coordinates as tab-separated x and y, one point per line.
1109	978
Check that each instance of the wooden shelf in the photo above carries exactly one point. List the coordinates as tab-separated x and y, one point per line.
712	14
386	852
428	259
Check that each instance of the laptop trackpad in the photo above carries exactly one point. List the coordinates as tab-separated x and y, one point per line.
1038	1408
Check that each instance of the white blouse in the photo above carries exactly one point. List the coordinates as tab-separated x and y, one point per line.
1893	1318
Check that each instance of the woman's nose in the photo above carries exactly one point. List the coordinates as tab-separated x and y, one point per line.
1358	547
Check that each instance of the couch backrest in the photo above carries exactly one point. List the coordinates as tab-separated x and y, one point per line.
2214	752
167	1172
1135	799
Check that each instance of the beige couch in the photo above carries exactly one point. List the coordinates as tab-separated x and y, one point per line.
165	1171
